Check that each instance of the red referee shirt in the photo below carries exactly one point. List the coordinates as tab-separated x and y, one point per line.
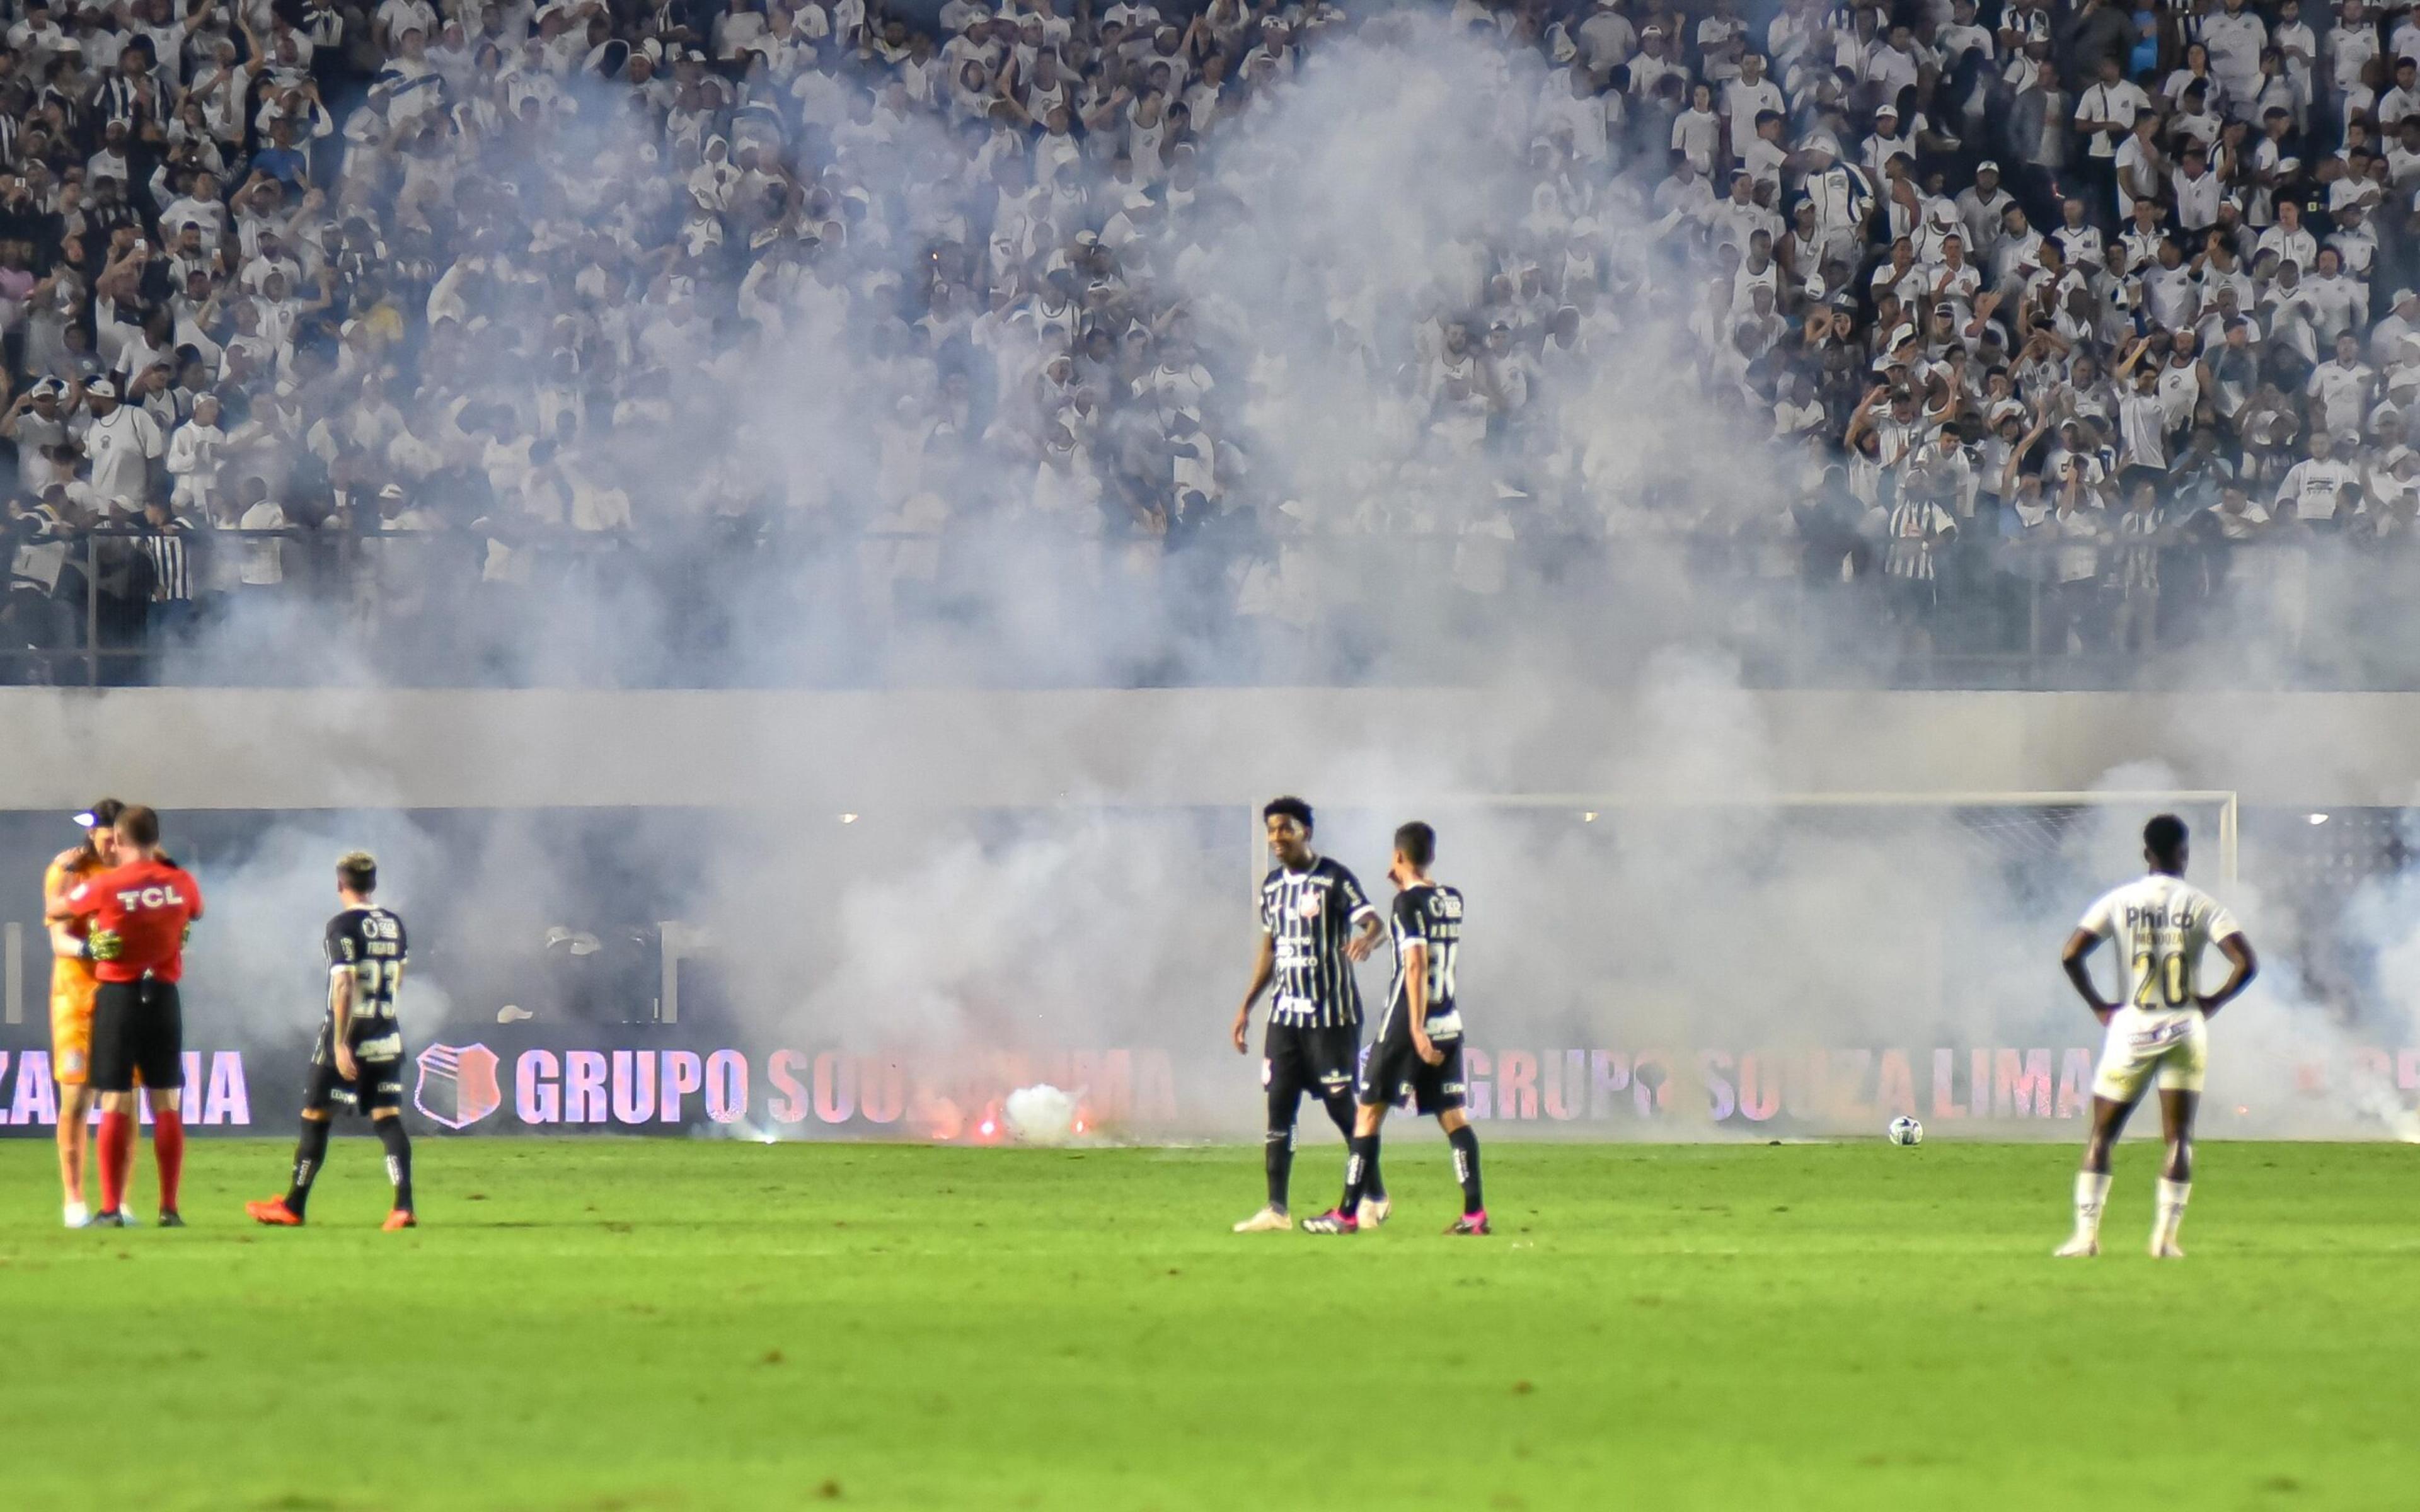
139	913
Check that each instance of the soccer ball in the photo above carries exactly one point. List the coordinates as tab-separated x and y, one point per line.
1040	1115
1906	1130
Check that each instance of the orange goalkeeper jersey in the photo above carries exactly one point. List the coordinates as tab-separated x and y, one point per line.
71	976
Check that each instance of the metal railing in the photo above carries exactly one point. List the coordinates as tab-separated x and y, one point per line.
1996	613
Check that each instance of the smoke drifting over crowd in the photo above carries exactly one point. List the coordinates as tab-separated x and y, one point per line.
1354	522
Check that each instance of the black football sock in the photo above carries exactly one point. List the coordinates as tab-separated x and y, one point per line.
1466	1167
1277	1155
1341	1109
398	1160
1358	1167
310	1153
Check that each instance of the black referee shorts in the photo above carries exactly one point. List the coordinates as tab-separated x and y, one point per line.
137	1028
1298	1058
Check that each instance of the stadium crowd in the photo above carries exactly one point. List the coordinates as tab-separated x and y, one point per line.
2064	323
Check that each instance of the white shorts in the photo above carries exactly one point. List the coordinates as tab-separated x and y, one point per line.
2174	1043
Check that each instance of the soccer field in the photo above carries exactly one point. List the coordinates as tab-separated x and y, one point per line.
626	1325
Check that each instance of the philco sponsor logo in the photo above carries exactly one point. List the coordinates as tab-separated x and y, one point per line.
457	1084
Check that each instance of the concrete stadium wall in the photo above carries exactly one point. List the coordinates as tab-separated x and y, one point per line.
184	749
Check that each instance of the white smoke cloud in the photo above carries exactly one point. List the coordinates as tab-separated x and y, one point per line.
1699	910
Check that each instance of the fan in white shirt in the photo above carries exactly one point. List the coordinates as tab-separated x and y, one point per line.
2340	388
1961	36
2106	110
2313	487
1607	38
1748	94
123	440
2351	45
1698	132
1984	208
2198	190
2234	38
2079	239
2404	99
2289	240
2141	165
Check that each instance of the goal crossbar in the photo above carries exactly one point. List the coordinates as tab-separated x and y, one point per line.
1587	805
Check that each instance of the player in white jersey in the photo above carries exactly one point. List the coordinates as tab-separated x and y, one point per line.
2160	1030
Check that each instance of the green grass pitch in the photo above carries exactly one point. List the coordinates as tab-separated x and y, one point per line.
681	1325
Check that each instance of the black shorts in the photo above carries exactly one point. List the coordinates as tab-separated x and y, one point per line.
1296	1058
1395	1072
138	1028
377	1087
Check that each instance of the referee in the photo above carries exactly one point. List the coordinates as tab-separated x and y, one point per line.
1315	923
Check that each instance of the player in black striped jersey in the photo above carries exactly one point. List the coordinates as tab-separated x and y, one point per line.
1417	1052
1315	923
358	1059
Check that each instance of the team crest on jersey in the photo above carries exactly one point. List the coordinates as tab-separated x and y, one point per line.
457	1084
1311	905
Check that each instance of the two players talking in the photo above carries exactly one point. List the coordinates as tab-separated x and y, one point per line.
120	913
1316	924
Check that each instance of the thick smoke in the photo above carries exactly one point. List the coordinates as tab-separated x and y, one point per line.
1679	903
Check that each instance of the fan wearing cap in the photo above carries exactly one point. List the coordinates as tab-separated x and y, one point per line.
1656	61
2386	338
1984	208
1886	143
72	988
36	423
124	444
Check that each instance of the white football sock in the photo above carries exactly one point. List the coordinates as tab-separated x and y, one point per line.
2172	1212
2091	1195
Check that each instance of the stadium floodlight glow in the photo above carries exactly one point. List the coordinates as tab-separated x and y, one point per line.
1589	817
2318	819
848	819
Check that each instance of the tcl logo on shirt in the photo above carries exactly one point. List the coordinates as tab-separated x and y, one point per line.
142	898
139	914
